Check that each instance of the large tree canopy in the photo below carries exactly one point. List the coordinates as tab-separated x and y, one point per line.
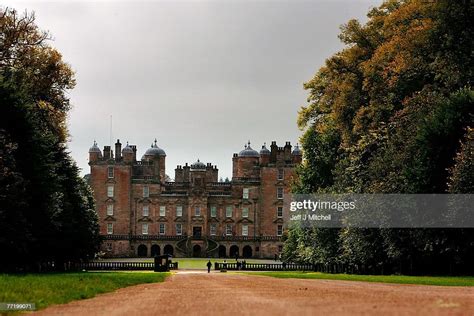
393	112
46	210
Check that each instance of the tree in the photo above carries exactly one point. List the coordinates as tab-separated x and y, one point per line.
387	114
47	211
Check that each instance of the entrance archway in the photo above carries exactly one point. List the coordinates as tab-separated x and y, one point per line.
155	250
142	251
196	251
247	252
234	251
222	251
168	250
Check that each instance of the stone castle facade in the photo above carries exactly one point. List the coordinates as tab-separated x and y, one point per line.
143	214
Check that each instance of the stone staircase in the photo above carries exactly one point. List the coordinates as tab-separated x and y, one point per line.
185	246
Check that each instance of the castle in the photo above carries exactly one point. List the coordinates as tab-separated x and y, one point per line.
142	214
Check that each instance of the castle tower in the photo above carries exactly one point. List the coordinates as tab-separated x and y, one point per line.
264	155
127	154
297	154
158	156
94	153
246	163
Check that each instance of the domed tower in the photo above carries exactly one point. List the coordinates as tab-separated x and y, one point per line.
246	161
158	156
127	153
198	166
264	155
297	154
94	153
198	172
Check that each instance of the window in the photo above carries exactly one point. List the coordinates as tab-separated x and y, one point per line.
213	211
280	248
179	229
280	230
228	211
162	211
245	230
228	230
162	228
110	191
197	211
110	172
145	229
280	193
245	212
146	191
281	174
213	229
146	210
179	211
110	209
280	211
245	193
110	228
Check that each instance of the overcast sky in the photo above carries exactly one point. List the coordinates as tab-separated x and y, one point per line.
203	77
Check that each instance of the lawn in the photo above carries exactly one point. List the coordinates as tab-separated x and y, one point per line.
401	279
200	263
57	288
188	263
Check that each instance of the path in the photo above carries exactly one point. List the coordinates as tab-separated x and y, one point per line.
191	293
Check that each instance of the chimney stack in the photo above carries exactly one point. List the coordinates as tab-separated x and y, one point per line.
118	150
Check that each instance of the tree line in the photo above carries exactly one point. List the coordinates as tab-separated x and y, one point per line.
46	210
392	112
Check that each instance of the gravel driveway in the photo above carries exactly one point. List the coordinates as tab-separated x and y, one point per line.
198	293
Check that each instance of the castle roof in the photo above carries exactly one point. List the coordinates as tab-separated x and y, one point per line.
95	148
248	152
127	149
297	151
264	150
198	165
154	150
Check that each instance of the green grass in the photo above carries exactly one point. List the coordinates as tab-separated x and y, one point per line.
401	279
198	263
59	288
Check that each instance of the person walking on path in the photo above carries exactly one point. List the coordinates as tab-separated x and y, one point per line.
209	265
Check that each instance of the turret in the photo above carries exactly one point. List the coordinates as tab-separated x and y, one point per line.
158	156
297	154
264	155
128	154
94	153
246	162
